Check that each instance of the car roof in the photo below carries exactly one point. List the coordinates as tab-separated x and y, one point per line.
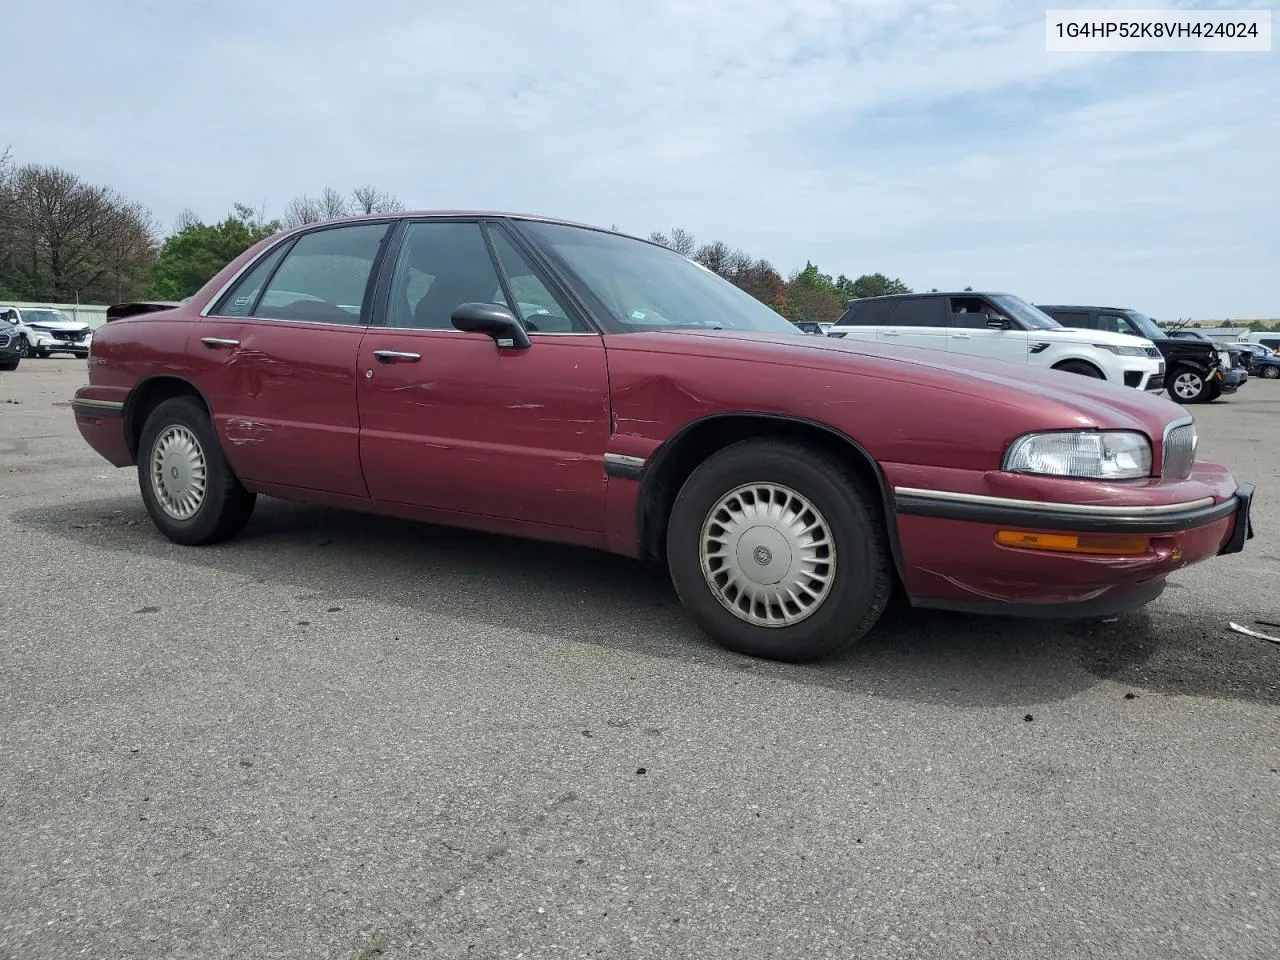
415	214
1080	306
930	293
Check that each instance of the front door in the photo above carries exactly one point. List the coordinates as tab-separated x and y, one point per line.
917	322
277	360
454	422
972	334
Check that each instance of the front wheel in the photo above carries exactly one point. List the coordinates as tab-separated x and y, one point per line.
28	350
1270	373
778	550
187	486
1188	386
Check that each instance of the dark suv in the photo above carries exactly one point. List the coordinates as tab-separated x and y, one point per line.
1197	370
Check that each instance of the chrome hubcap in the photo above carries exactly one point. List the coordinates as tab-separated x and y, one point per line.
1186	384
179	473
767	554
1271	373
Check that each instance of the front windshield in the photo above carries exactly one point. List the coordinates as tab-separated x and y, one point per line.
45	316
1033	318
1145	325
642	286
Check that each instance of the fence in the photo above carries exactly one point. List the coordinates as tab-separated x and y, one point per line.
94	315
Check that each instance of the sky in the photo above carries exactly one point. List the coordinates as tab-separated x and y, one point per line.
936	142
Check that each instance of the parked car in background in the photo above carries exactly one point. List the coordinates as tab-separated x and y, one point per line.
818	328
11	324
999	326
1268	338
1263	361
1186	333
12	348
1196	371
788	482
46	331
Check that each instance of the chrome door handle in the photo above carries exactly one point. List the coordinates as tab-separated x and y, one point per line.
213	343
890	333
961	336
396	356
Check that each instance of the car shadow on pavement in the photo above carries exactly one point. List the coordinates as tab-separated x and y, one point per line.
610	601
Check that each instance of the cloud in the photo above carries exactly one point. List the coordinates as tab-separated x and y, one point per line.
936	141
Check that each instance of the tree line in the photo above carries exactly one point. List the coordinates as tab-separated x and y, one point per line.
64	240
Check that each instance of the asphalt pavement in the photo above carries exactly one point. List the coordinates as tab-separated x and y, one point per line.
353	737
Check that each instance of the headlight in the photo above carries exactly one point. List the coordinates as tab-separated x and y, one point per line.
1092	455
1122	351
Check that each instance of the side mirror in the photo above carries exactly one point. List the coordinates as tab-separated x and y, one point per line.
997	323
493	319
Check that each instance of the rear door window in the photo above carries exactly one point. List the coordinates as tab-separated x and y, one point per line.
918	312
325	276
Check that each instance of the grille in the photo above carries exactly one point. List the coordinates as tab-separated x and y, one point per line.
68	336
5	339
1153	353
1179	452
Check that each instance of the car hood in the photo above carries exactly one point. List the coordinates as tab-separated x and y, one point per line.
56	325
1037	398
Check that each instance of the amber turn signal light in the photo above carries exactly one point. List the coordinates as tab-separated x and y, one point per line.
1072	543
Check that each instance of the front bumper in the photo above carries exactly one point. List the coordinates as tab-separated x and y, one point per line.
1229	381
45	343
951	560
1143	373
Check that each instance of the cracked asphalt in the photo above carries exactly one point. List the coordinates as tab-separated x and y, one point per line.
350	737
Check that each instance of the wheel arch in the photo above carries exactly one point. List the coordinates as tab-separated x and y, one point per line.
677	458
149	394
1083	361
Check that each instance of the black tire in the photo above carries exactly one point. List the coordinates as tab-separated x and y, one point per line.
10	365
1269	372
1196	385
1082	368
27	350
226	505
1214	392
862	581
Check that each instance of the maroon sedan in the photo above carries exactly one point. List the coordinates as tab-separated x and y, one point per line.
544	379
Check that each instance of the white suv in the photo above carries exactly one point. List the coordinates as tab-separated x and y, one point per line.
999	326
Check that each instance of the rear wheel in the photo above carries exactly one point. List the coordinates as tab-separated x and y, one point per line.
777	550
1188	386
188	487
1082	368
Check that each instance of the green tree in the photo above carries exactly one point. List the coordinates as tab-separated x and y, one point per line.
876	285
813	295
189	258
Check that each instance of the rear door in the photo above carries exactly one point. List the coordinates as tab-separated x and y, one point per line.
917	322
276	358
972	335
862	321
454	422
